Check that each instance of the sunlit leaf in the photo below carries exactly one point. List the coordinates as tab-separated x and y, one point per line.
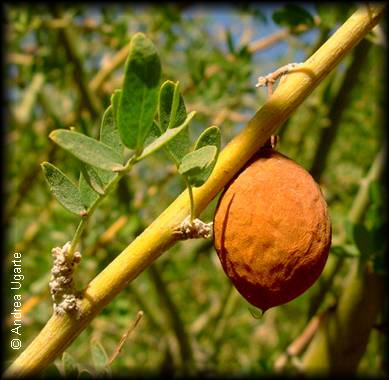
194	163
139	98
172	113
170	116
211	136
64	190
87	149
166	138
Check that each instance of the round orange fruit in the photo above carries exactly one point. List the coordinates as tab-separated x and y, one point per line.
272	231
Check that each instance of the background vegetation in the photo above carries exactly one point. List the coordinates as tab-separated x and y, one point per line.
62	65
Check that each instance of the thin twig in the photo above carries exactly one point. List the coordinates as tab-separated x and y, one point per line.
265	42
107	69
119	347
253	47
298	345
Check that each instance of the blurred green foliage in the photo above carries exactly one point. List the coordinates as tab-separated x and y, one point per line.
52	57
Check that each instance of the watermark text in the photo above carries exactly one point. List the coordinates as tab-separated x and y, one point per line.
17	278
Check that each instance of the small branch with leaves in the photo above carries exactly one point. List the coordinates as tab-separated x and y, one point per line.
129	133
133	110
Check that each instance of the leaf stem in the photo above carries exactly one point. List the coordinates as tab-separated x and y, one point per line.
84	221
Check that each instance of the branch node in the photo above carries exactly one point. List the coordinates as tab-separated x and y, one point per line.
61	282
269	79
194	229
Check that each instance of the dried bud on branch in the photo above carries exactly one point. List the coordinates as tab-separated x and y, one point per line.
194	229
61	283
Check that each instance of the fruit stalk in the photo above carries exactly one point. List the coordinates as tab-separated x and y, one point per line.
60	331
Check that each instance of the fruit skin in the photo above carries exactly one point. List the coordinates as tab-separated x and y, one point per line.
272	230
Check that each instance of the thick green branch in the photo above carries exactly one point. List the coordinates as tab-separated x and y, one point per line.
60	331
356	214
342	337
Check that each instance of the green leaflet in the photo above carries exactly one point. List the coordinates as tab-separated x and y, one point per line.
170	116
166	138
195	163
210	137
87	149
115	98
87	194
109	133
64	190
139	97
92	178
171	113
155	132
